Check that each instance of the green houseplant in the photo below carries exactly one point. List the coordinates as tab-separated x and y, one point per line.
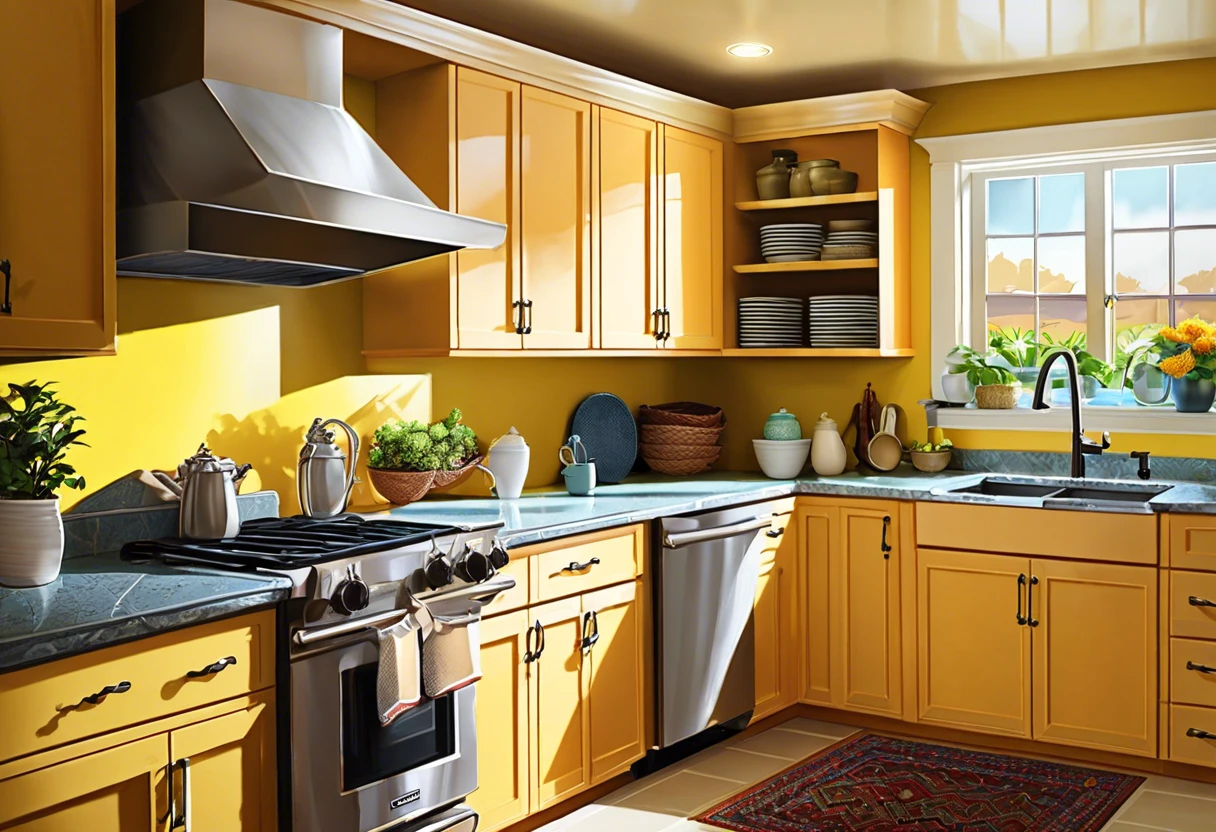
992	374
36	431
409	458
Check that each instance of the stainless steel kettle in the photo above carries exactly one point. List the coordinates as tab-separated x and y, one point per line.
323	478
209	485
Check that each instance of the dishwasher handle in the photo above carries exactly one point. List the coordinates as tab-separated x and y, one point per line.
678	540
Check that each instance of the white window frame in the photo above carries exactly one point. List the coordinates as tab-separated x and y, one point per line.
960	164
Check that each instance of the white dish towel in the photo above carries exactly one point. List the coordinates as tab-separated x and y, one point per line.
399	680
451	651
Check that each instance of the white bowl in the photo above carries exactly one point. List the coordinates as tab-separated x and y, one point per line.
782	460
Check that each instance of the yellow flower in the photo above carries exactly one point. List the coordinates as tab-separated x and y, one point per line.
1204	344
1194	329
1178	365
1171	334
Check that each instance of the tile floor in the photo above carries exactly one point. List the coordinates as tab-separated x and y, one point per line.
664	801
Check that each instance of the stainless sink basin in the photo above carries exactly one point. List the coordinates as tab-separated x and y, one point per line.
1109	495
1119	495
1003	488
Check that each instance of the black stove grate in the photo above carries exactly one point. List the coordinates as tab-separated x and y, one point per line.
288	542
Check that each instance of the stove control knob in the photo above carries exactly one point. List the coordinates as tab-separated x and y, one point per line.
438	572
474	567
499	557
351	596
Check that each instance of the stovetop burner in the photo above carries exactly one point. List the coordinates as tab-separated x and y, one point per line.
288	542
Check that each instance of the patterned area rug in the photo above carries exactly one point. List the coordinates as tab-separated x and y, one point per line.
880	784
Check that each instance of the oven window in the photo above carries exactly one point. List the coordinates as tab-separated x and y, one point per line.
370	752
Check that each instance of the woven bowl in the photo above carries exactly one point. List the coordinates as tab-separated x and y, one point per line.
835	252
401	487
931	461
706	453
679	467
998	396
688	414
451	479
679	435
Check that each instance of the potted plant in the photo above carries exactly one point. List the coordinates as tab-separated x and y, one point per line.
1020	351
36	430
1093	372
1188	356
956	386
996	386
408	459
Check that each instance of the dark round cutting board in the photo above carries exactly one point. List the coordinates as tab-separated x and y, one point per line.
606	426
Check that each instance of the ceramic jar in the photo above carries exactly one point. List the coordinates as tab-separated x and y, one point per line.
828	454
31	542
1193	395
820	172
508	459
773	180
782	426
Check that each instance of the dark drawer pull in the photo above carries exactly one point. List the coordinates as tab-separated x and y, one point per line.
774	532
94	699
1200	668
579	567
1200	735
1196	601
6	306
212	669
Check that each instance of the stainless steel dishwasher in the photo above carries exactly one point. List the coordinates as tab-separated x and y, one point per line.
708	568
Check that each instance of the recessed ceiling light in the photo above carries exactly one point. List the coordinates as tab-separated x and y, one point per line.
748	49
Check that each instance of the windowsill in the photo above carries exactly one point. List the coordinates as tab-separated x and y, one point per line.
1128	418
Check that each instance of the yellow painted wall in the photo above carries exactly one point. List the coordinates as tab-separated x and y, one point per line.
749	389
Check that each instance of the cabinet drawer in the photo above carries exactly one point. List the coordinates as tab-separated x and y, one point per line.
618	552
1190	615
781	521
1192	685
1193	541
40	704
1196	750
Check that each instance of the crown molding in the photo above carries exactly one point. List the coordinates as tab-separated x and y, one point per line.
480	50
863	110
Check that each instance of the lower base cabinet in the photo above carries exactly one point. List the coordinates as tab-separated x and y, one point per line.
776	622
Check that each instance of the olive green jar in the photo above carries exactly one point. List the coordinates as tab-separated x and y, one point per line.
773	180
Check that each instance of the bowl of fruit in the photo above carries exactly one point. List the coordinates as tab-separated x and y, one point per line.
931	458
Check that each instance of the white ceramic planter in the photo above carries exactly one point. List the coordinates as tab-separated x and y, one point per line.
31	542
957	388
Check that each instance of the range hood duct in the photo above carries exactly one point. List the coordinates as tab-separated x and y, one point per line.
237	162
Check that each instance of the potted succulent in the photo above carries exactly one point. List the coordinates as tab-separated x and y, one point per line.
36	430
408	459
996	386
1188	356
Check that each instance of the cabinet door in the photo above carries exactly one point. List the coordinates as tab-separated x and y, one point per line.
974	657
487	186
1095	655
692	239
626	235
817	539
557	693
502	722
555	184
868	657
616	701
119	790
57	166
231	783
776	623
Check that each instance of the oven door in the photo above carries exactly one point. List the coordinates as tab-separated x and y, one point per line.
349	774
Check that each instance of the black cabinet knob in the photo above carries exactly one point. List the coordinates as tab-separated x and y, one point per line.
474	567
499	557
438	572
351	596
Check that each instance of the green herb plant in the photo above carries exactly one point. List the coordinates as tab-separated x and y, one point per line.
416	446
36	430
982	368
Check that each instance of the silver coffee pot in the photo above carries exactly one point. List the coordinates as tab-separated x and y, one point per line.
209	486
323	478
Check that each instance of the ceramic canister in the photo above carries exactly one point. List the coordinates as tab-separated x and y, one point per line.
31	542
828	454
508	459
782	426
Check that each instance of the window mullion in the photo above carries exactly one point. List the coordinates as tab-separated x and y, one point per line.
978	310
1099	322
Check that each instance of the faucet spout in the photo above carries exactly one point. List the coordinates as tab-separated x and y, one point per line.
1081	446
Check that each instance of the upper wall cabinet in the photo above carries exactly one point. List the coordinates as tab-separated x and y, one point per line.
692	240
57	166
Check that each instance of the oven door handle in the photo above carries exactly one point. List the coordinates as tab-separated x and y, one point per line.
678	540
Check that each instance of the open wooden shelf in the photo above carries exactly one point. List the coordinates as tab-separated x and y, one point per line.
807	266
822	352
806	201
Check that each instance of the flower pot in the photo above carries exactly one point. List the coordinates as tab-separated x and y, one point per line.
1193	395
31	542
998	396
957	388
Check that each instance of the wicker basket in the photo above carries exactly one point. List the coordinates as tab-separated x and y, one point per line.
451	479
679	467
688	414
705	453
679	435
998	396
401	487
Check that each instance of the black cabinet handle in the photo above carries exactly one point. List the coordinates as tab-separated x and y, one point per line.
176	821
213	668
1200	668
666	323
1030	619
590	622
6	308
1200	602
528	325
1200	735
774	533
579	567
540	640
529	656
93	699
658	324
519	321
1021	583
886	547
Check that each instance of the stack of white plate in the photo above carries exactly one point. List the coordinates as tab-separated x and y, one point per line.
843	321
791	242
771	322
849	245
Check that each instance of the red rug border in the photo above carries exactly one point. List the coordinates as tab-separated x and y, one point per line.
1137	779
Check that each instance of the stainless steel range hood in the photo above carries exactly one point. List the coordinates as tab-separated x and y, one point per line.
239	164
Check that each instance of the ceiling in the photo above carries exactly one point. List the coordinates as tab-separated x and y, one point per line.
824	47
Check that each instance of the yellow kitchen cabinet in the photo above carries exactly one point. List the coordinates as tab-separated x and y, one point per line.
776	622
625	237
973	658
817	532
692	240
503	791
616	698
555	218
557	703
57	165
1095	655
121	789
